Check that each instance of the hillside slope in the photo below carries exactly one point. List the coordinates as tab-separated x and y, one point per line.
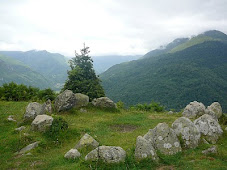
198	72
14	70
52	66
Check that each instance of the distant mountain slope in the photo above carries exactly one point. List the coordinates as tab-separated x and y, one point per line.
102	63
14	70
198	72
52	66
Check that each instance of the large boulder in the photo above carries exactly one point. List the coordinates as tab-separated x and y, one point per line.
88	142
209	128
72	154
108	154
214	110
104	102
186	129
194	109
144	149
33	109
41	123
164	139
65	101
81	100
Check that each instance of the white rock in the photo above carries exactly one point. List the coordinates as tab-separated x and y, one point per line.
41	123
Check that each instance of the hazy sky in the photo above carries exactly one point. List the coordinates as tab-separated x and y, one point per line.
106	26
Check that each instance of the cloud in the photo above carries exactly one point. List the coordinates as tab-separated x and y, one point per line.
107	26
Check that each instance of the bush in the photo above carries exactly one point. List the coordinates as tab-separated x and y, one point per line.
57	129
20	92
153	106
120	105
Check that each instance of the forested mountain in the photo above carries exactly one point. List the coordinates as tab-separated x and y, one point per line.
195	69
52	66
102	63
14	70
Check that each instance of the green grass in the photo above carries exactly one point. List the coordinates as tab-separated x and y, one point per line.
99	124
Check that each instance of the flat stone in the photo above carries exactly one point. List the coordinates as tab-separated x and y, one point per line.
28	148
20	128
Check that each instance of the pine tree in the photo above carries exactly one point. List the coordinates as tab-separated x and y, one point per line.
82	77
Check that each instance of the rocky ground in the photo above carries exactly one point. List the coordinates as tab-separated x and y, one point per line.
100	138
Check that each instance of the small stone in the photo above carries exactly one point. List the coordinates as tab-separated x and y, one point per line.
212	149
108	154
72	154
10	118
83	110
226	129
88	142
170	113
20	128
28	148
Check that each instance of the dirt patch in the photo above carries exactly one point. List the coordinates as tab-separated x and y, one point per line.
166	168
123	128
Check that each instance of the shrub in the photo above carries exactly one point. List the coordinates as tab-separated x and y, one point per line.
120	105
153	106
57	129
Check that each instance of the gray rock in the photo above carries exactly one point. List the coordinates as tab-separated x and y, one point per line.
11	119
104	102
108	154
194	109
41	123
20	128
214	110
164	139
144	149
83	110
72	154
170	113
209	128
81	100
33	109
226	129
88	142
48	106
65	101
212	149
186	129
28	148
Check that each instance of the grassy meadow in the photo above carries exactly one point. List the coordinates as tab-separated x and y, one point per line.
108	127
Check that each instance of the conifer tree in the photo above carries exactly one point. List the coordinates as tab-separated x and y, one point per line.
82	77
